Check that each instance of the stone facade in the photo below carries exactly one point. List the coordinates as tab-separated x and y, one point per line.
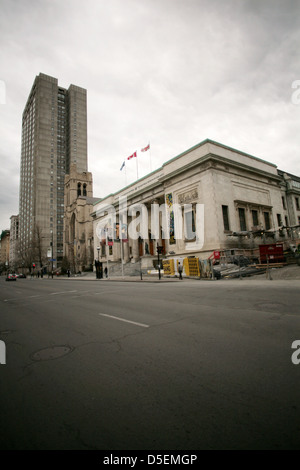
13	242
78	225
4	247
230	199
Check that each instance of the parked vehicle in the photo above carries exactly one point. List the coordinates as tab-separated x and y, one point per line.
21	276
11	277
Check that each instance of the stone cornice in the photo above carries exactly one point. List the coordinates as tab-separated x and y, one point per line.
217	159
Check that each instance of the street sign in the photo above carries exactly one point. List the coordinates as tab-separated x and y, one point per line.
53	259
110	243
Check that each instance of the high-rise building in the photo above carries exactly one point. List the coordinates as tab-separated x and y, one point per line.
54	135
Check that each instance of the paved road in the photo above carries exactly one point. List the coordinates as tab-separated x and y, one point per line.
183	366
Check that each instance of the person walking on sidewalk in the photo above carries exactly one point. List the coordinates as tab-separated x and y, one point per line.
180	269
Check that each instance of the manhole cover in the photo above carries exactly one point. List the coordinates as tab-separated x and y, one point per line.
51	353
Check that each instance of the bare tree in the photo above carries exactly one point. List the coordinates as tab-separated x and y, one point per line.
37	245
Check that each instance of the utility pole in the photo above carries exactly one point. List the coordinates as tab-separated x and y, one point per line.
159	251
107	251
98	264
121	244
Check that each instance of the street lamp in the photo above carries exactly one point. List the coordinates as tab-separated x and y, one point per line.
98	264
51	243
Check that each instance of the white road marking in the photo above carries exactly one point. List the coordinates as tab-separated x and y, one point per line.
123	319
105	292
65	292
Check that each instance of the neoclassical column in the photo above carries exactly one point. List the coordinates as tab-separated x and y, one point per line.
135	245
146	241
135	251
157	241
126	257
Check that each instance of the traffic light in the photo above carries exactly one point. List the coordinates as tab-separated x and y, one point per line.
159	249
33	265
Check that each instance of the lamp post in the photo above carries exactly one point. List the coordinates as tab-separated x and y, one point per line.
107	250
98	265
159	250
51	243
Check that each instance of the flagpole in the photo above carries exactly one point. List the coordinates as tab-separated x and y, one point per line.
137	168
125	176
150	158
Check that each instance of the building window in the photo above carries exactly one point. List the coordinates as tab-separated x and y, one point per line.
189	222
78	189
255	218
84	190
225	218
286	221
279	220
242	218
267	220
283	202
297	203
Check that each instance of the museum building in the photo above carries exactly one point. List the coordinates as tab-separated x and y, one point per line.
225	200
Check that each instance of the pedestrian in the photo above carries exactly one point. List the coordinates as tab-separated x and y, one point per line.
68	273
180	269
105	271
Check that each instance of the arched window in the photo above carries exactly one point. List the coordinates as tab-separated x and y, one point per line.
84	189
78	189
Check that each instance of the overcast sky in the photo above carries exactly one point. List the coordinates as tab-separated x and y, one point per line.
172	72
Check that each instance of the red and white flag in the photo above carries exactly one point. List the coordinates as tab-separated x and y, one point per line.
145	148
132	156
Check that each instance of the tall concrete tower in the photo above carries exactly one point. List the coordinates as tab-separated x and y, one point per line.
54	135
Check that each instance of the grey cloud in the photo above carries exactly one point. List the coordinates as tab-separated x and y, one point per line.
172	71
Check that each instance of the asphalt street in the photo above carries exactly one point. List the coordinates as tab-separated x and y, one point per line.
185	365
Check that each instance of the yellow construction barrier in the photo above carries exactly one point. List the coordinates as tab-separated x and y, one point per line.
169	268
191	267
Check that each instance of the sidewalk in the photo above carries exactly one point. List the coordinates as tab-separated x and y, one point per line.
146	278
287	273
